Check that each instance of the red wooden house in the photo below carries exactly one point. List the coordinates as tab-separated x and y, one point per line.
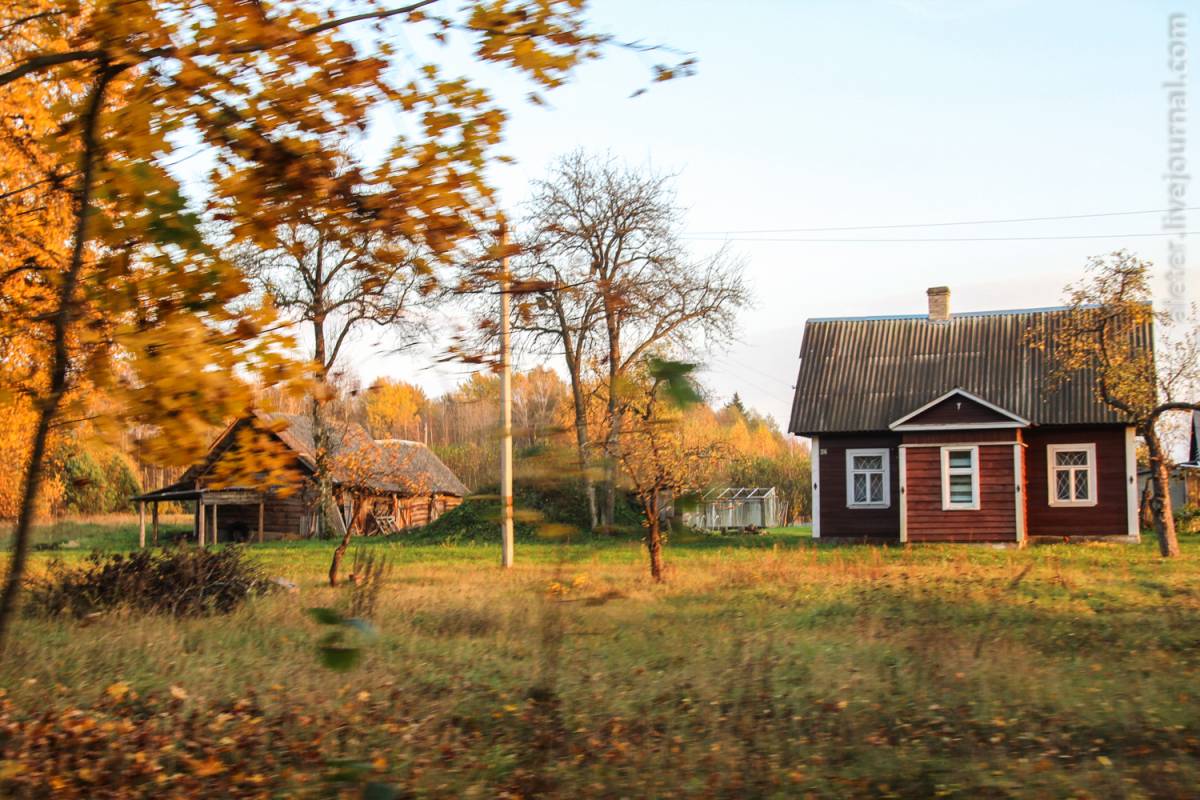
948	428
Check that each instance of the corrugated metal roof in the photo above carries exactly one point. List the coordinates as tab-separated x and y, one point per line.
860	374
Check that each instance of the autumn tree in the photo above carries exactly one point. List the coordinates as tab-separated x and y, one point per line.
662	457
395	410
605	240
1103	336
108	287
564	322
17	416
360	464
761	455
272	91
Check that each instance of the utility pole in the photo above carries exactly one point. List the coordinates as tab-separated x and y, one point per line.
506	445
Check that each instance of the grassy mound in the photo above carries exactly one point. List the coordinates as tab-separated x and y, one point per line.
541	513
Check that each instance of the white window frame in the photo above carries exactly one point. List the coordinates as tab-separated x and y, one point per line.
885	453
1052	451
947	471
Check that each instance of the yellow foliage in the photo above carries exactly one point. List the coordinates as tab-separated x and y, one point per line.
17	417
106	278
257	459
395	410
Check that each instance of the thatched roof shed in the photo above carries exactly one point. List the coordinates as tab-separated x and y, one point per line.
380	485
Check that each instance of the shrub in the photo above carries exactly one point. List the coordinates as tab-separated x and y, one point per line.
182	583
1187	519
120	483
83	481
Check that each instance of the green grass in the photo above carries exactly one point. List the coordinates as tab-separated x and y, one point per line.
766	666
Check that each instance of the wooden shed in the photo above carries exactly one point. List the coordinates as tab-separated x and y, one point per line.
380	486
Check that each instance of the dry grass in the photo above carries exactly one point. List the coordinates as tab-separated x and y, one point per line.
756	671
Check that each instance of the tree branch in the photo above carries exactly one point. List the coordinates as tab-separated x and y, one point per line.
38	63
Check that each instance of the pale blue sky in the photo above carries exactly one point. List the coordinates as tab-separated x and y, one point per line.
807	114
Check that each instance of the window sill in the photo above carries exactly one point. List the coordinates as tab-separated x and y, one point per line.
867	506
960	508
1073	503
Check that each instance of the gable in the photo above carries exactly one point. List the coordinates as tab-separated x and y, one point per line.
958	409
228	444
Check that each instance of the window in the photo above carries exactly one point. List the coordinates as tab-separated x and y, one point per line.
867	479
1072	472
960	478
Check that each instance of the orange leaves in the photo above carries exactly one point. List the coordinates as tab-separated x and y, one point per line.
257	460
17	418
276	95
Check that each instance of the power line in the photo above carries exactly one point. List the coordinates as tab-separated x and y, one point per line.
946	224
716	365
944	239
740	365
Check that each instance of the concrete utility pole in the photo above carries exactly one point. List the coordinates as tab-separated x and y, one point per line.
506	448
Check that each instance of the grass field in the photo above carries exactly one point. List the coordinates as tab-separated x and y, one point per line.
767	666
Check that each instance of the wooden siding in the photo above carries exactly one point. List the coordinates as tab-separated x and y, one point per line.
283	518
996	518
995	435
957	410
408	512
1108	517
837	520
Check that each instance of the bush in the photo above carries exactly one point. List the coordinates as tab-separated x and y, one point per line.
120	483
1187	519
83	481
182	583
94	483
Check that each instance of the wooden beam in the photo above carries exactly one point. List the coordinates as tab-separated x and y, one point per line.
260	521
154	520
214	536
142	524
200	526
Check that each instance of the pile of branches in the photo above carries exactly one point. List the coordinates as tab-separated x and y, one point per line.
181	583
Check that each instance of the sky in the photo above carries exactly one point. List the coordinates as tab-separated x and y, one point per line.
871	113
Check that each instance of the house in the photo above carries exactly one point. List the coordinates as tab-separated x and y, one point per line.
379	485
945	427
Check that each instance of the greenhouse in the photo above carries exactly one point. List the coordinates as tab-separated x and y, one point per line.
735	507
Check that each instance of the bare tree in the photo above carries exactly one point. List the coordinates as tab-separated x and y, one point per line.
564	320
538	399
1101	336
333	283
619	284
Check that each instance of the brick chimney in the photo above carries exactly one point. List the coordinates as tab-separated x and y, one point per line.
939	303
